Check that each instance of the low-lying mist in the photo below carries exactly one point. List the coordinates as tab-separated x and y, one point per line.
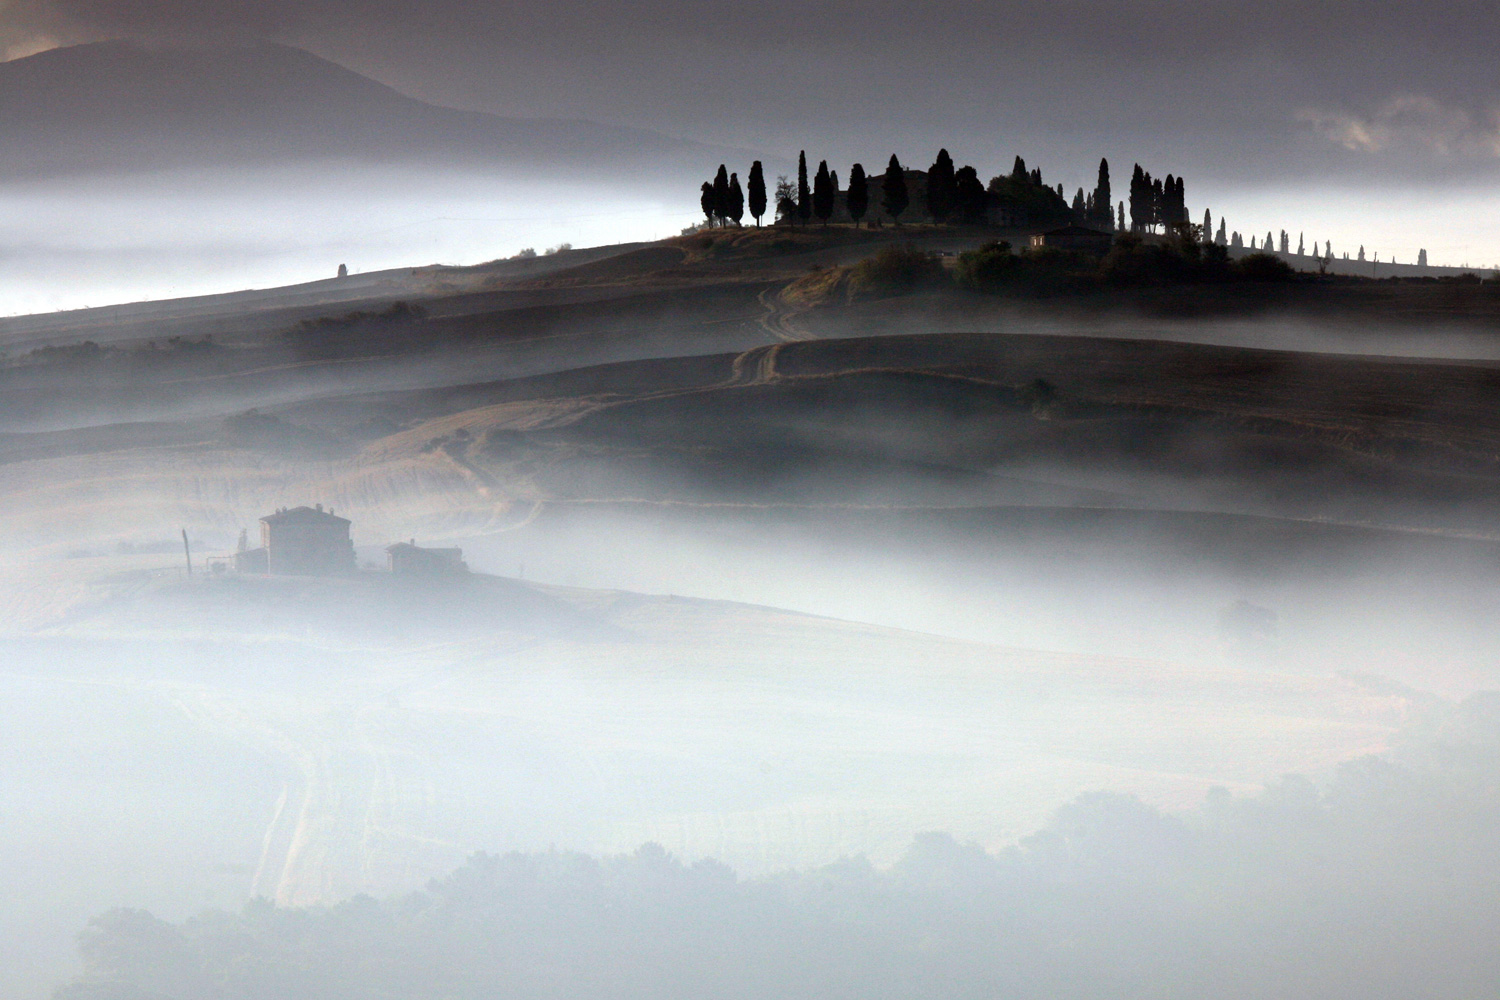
92	241
775	589
1380	883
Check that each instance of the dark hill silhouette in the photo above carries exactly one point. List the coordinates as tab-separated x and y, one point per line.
122	106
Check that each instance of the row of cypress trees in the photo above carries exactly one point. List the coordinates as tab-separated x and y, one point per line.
723	201
954	193
1156	202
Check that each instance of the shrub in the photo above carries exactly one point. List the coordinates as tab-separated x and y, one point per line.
1044	271
1264	267
894	268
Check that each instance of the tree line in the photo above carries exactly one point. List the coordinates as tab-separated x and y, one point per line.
949	193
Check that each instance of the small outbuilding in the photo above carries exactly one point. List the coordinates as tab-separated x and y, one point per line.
1075	238
411	559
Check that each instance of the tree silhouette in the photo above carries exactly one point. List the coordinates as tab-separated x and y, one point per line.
893	189
721	194
1018	171
706	201
1102	196
1140	200
736	206
757	191
858	198
1079	207
1222	238
1301	246
969	197
1208	226
1120	223
822	193
942	190
786	198
804	196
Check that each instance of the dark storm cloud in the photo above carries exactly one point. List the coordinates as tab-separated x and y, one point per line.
1267	90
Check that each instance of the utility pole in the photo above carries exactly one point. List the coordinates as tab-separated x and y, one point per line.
187	552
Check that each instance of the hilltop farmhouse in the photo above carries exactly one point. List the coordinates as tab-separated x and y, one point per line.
300	541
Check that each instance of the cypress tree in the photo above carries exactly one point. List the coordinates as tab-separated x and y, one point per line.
823	193
1208	226
942	190
804	196
1036	176
1102	195
893	187
1120	223
721	194
1301	245
1079	207
1140	200
858	198
706	202
1221	238
1269	244
1158	200
736	199
757	191
1018	171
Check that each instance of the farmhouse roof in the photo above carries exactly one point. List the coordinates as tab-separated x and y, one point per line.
304	515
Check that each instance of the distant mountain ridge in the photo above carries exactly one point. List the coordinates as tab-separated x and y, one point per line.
120	106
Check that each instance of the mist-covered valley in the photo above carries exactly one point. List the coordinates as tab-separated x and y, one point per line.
765	575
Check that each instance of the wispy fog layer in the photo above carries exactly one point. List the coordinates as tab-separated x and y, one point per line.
1381	884
92	242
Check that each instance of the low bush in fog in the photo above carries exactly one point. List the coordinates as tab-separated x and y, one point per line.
1383	883
897	267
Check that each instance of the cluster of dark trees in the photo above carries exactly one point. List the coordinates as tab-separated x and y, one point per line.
723	200
1382	883
1156	203
820	198
945	192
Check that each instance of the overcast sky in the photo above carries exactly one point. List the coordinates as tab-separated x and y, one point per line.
1252	98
